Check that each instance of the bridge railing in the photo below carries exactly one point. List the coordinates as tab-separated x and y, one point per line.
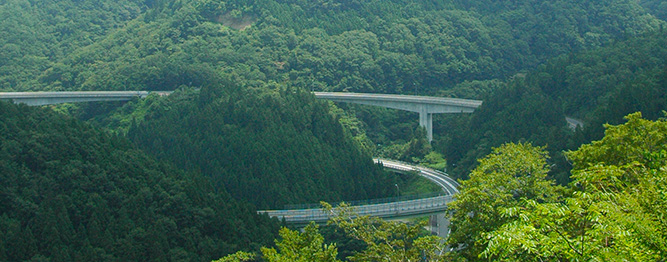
387	163
369	201
385	210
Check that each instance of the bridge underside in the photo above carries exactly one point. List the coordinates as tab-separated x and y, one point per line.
425	106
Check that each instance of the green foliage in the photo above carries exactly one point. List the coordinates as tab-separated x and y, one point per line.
301	247
515	113
599	86
435	161
585	81
257	143
494	192
239	256
373	46
656	7
38	34
613	210
452	48
71	192
386	240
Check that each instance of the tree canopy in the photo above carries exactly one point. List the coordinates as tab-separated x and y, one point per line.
71	192
267	147
613	210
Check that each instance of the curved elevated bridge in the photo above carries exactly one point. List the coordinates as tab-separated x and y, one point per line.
426	106
408	208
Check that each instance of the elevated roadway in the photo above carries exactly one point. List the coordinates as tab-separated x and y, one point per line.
426	106
50	98
409	208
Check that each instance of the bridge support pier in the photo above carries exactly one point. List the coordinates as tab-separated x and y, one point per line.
426	121
439	224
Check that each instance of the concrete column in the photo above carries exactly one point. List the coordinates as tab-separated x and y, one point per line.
426	120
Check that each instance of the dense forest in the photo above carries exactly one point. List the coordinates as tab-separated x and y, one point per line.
70	192
396	46
598	86
509	211
179	177
268	147
453	48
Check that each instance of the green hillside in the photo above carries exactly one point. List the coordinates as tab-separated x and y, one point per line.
243	131
598	86
376	46
268	147
70	192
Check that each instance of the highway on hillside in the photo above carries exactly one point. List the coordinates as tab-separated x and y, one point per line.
448	185
408	208
426	106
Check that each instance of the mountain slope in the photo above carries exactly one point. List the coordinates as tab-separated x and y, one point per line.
69	192
268	147
598	86
372	46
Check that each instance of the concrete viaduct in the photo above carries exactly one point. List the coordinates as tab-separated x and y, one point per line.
400	209
424	105
50	98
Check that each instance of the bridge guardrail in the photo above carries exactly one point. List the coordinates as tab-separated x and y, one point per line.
389	209
404	208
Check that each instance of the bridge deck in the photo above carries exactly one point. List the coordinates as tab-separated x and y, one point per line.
399	209
400	98
386	210
58	97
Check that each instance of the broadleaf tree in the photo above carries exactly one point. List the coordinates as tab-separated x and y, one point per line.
494	193
614	209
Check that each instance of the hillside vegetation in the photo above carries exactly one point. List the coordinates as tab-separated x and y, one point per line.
179	177
395	46
70	192
598	86
452	48
267	147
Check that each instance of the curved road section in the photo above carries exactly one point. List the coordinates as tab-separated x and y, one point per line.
424	206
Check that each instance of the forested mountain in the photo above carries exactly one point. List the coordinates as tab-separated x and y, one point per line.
655	7
599	86
69	192
242	115
269	147
37	34
395	46
448	47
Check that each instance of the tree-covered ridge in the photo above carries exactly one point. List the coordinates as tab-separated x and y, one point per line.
69	192
655	7
597	86
268	147
378	46
585	81
37	34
